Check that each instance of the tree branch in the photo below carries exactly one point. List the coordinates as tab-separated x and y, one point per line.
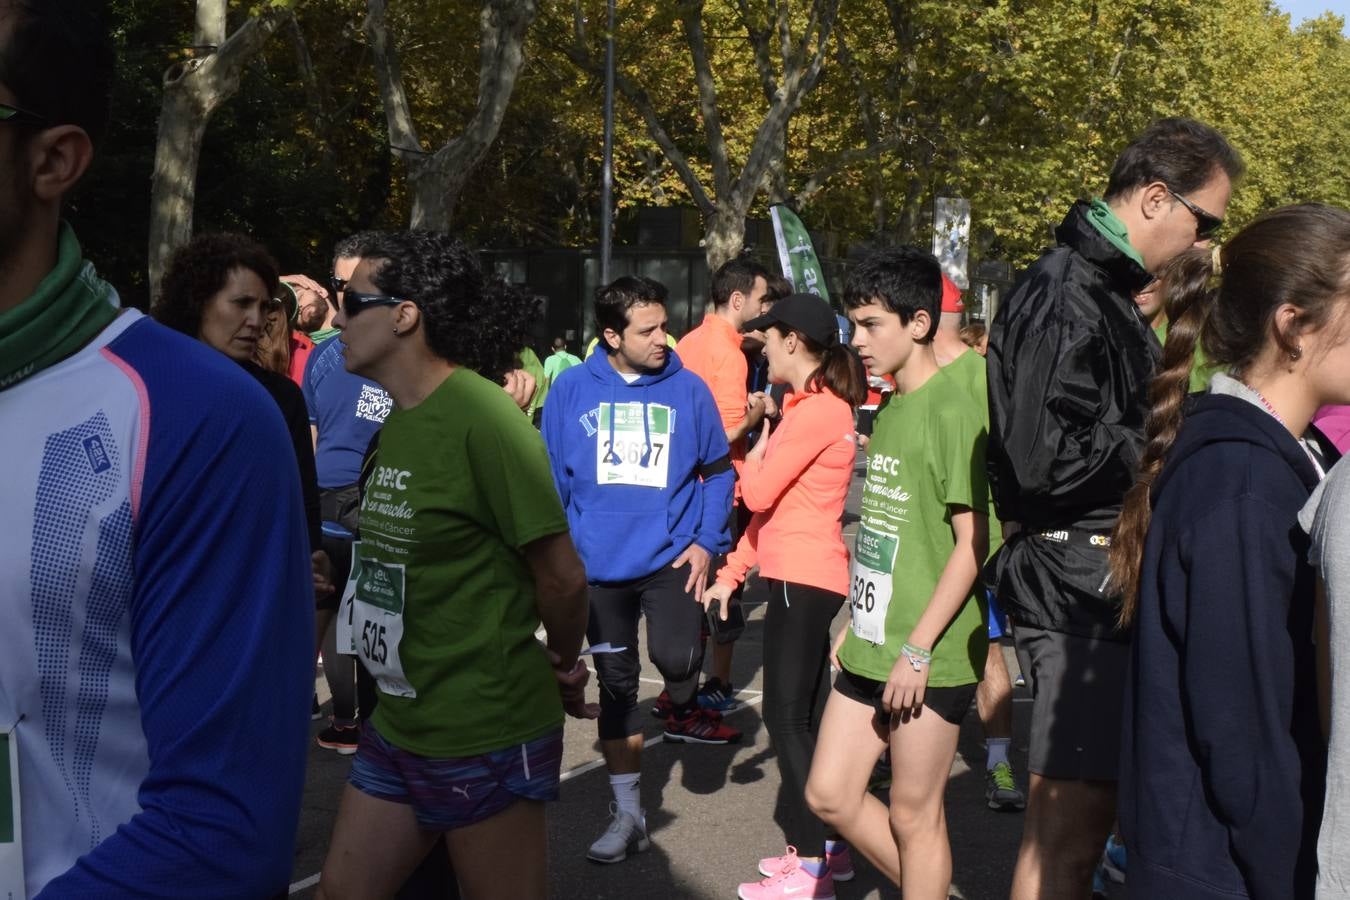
389	75
842	160
210	27
500	56
759	43
691	14
579	53
798	79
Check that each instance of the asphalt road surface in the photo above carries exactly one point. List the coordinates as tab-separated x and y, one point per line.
710	810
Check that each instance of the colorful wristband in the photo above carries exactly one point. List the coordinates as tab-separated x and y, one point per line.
917	656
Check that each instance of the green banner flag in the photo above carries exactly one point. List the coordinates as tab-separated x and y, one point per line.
796	254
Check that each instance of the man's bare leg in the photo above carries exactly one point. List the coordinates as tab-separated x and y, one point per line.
1062	838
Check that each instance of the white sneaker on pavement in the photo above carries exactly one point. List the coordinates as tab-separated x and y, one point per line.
624	835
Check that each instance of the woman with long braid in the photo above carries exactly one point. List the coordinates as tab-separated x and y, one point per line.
1222	760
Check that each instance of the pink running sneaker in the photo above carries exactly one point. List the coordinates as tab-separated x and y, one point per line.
792	882
840	863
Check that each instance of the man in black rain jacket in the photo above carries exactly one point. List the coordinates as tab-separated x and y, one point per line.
1070	359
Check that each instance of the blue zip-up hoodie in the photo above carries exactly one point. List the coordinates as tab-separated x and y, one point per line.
628	531
1222	760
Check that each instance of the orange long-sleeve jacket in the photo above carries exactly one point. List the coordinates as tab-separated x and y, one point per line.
796	492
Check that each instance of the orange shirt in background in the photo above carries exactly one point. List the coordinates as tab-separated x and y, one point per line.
797	492
712	351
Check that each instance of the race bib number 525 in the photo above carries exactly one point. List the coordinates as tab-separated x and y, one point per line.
377	624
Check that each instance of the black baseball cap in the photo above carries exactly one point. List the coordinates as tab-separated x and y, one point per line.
807	313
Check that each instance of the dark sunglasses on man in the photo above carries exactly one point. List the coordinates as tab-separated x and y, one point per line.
355	301
1206	224
337	284
18	116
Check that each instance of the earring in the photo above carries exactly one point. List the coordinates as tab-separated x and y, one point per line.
1296	354
395	329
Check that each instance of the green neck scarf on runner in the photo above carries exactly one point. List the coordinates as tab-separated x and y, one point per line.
323	334
1114	230
70	306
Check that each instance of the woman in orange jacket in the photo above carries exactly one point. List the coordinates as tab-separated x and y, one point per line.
795	481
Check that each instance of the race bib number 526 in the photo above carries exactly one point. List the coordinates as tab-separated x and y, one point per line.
870	592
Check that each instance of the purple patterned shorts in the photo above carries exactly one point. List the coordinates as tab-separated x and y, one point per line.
452	793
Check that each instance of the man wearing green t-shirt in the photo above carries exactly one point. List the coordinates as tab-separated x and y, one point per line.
559	360
916	647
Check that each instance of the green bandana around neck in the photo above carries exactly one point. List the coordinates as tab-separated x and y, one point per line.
323	334
69	307
1111	228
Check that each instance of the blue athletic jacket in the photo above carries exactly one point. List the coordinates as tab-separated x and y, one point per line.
1223	764
626	530
156	592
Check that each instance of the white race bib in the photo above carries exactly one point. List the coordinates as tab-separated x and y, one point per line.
377	623
619	460
870	593
11	820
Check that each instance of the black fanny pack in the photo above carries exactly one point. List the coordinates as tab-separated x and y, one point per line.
341	505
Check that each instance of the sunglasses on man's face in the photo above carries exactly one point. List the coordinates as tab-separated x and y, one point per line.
20	116
1206	224
337	284
355	301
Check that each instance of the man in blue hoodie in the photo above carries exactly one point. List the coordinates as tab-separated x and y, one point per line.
643	469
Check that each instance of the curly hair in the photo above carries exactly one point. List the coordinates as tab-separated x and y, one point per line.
469	318
199	269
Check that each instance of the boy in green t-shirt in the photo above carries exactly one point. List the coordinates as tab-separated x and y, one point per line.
913	655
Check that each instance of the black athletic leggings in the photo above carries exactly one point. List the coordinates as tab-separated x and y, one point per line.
796	658
352	687
673	644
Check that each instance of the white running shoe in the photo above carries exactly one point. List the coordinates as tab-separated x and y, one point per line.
624	835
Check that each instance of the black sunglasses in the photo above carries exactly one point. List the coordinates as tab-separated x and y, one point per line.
1206	224
20	116
355	301
337	284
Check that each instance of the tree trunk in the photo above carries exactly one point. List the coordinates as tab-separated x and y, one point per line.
173	187
192	93
435	181
723	235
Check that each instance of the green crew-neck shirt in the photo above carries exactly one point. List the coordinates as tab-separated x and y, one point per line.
971	370
461	485
925	457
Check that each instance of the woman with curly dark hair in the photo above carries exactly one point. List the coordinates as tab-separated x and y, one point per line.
464	552
221	289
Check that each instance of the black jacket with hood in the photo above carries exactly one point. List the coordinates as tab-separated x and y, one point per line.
1222	759
1070	359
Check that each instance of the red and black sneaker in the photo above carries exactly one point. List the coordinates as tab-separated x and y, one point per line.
662	707
702	726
